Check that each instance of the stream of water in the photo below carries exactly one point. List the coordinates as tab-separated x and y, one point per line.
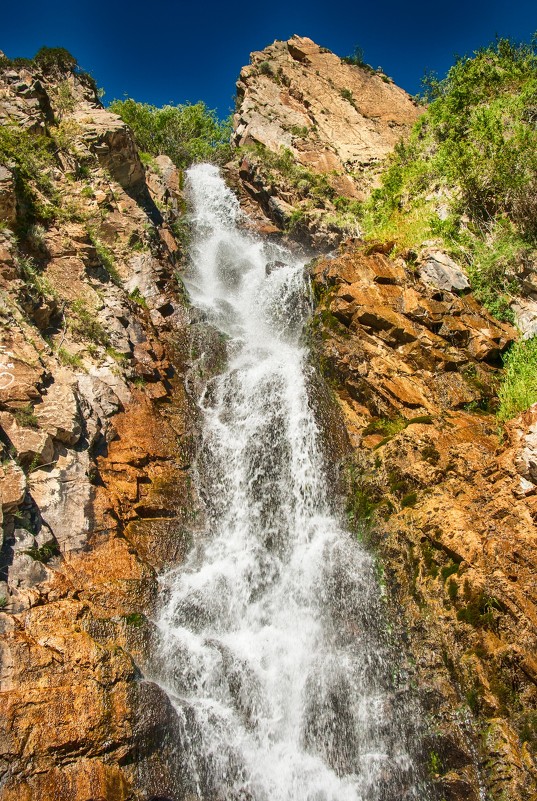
271	644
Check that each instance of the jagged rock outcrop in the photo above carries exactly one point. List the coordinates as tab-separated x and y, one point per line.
447	501
311	131
96	430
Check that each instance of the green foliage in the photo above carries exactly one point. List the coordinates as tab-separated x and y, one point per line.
435	763
449	570
138	298
528	728
70	359
386	426
3	601
105	256
135	619
475	148
346	94
45	553
25	417
265	68
409	500
299	130
55	59
480	610
362	500
37	284
186	133
85	324
31	158
356	57
518	390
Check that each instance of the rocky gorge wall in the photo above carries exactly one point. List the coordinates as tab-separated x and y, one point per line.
97	439
98	430
443	493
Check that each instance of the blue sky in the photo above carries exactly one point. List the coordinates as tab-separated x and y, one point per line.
174	51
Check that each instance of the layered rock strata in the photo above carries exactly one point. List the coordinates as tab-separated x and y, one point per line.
446	497
311	131
96	438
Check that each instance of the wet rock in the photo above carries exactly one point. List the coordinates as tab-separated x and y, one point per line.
455	508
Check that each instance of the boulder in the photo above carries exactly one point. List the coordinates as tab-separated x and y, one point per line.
30	444
438	270
58	413
12	486
63	495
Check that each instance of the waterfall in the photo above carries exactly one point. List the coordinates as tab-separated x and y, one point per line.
271	642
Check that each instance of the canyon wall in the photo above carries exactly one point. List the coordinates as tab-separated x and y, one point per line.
98	429
441	492
97	440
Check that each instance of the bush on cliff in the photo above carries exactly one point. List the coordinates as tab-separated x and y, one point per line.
519	388
469	169
186	133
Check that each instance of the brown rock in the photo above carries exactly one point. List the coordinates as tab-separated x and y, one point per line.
12	486
30	445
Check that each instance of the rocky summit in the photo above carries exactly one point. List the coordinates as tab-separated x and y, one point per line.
108	370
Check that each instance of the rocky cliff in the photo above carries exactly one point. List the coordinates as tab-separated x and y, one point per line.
96	440
98	430
443	494
311	131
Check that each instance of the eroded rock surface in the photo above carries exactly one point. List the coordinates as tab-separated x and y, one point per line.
95	441
447	500
311	131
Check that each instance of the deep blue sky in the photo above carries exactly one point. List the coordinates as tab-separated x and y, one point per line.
176	51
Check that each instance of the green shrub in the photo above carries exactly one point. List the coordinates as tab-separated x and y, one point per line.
452	590
105	256
475	148
480	610
25	417
346	94
85	324
55	59
70	359
518	390
32	159
185	133
45	553
409	500
138	298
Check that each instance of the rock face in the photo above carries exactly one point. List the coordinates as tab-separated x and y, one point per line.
95	438
301	105
333	116
448	505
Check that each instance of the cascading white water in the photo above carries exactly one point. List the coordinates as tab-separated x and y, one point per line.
270	641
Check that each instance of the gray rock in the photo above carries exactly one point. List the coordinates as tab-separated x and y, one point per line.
526	459
525	310
58	413
438	270
63	495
